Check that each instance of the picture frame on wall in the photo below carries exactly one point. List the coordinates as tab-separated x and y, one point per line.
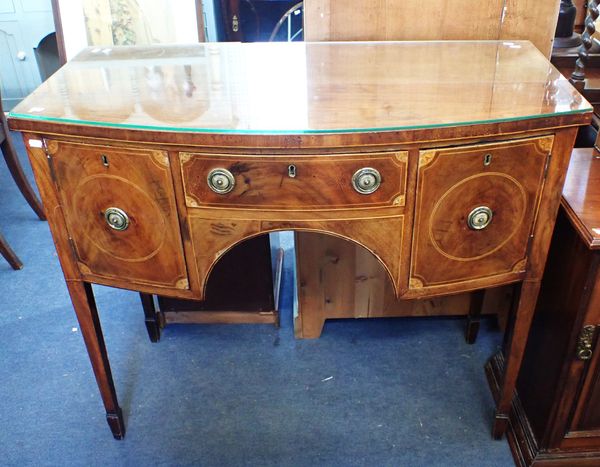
84	23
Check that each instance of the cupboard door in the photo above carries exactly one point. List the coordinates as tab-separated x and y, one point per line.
475	210
584	372
587	412
119	207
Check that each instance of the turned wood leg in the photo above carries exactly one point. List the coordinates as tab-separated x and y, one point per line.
474	316
14	166
82	297
514	349
152	317
9	254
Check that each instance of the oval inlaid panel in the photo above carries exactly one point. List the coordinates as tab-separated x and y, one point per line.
96	193
448	228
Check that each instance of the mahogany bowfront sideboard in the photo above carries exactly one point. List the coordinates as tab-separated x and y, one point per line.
445	160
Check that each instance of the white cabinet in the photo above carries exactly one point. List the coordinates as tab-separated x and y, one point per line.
23	24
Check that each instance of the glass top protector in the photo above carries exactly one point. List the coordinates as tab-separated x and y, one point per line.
303	88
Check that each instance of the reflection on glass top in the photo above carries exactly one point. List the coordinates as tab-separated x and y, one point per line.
304	87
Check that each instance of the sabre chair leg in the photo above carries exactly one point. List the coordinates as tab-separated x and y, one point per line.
8	254
14	166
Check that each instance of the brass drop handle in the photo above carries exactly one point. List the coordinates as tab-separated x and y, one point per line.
116	218
584	343
479	218
366	180
584	354
221	181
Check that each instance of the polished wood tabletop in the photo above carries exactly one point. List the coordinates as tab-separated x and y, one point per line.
581	195
299	88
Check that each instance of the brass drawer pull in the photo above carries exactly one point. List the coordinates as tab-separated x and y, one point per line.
584	343
366	180
116	218
479	218
221	181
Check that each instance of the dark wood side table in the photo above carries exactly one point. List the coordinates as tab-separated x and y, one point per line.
555	418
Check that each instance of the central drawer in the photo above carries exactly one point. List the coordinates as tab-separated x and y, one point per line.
295	182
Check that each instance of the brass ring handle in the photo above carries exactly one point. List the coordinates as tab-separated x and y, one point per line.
479	218
116	218
366	180
220	181
584	354
585	342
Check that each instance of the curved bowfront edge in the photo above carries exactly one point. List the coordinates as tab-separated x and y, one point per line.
330	140
303	88
17	124
181	228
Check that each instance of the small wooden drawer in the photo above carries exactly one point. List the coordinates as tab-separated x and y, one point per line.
119	207
300	182
475	209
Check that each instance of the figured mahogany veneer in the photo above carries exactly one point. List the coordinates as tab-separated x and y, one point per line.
451	183
321	182
94	178
450	127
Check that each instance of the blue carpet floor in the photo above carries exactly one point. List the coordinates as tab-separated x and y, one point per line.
404	392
